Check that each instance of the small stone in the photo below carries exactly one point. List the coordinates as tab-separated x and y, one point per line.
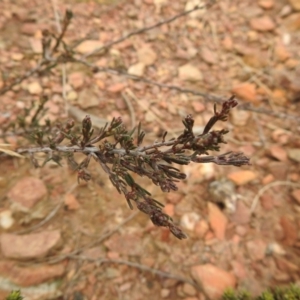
101	84
292	63
213	280
110	273
71	202
290	231
29	28
87	98
192	52
242	214
239	269
278	152
180	292
124	244
116	87
169	209
53	108
34	88
174	198
255	59
278	169
88	46
296	195
267	201
217	220
240	117
281	52
164	293
36	45
285	11
201	228
281	277
295	4
294	177
27	192
124	287
190	4
189	220
146	55
266	4
279	97
264	23
227	43
120	103
256	249
189	72
246	91
242	177
294	154
285	266
72	96
241	230
208	55
137	69
275	248
189	290
253	37
76	79
209	237
280	136
292	22
267	179
30	246
6	219
29	276
94	252
198	106
3	182
17	56
149	116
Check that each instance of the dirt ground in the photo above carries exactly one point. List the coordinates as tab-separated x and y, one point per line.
63	240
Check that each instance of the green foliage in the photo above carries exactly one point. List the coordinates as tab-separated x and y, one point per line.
14	295
266	296
291	292
233	295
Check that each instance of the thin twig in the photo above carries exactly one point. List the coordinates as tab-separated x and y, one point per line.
49	216
267	187
95	68
261	110
144	29
19	80
63	67
131	109
206	96
260	131
56	15
53	260
138	266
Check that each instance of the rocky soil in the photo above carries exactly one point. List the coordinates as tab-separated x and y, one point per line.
63	240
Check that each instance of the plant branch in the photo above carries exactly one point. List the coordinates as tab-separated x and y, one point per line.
144	29
123	154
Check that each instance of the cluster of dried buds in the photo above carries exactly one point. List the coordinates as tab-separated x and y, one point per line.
120	153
